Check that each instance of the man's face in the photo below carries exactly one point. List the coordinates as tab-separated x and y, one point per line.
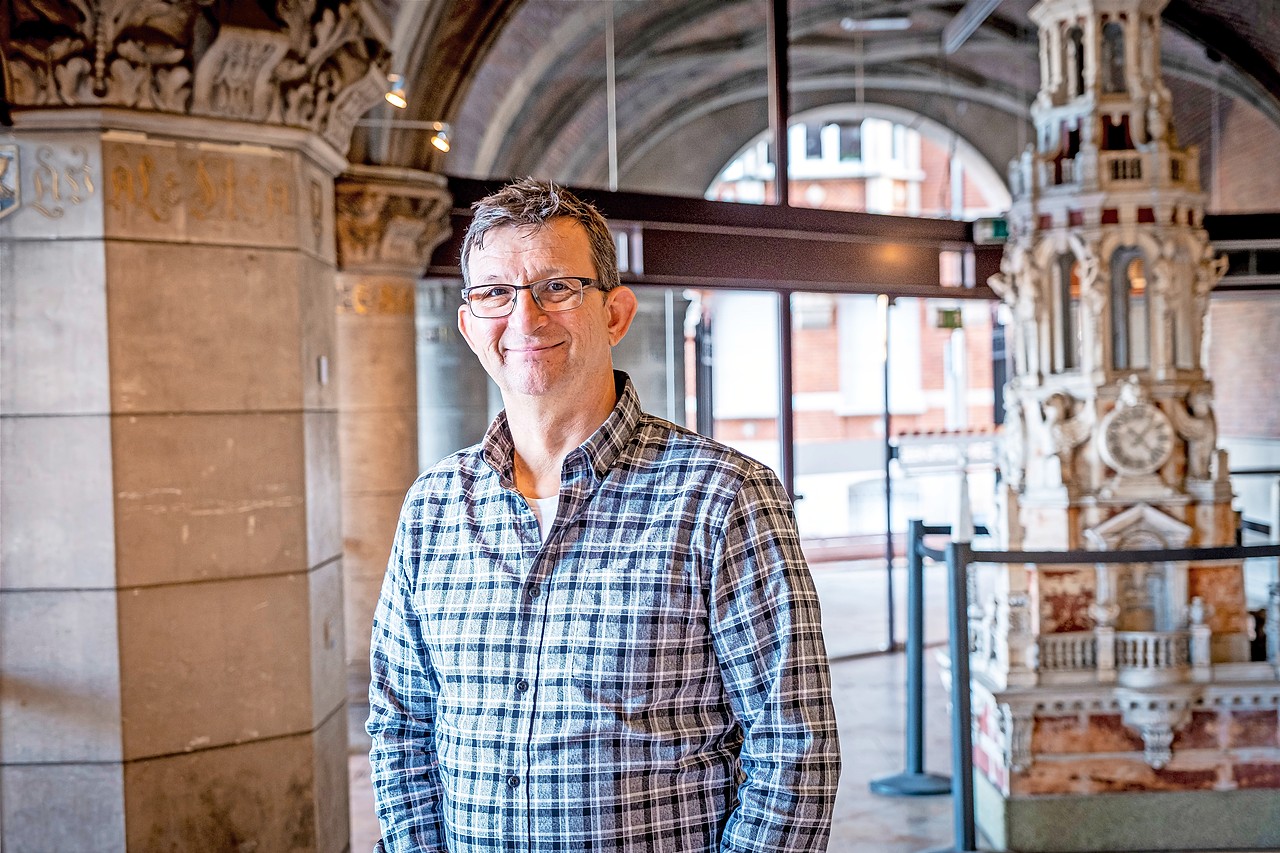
533	352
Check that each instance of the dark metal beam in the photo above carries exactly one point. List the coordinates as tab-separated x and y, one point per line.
690	242
779	100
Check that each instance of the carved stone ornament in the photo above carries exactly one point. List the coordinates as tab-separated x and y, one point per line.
381	227
1156	716
1016	724
10	186
314	64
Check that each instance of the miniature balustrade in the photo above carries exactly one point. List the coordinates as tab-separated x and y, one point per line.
1073	651
1119	169
1120	166
1152	657
1141	657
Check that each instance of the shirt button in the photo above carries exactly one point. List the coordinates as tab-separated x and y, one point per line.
513	782
522	685
534	592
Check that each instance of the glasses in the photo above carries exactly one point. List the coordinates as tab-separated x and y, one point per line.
562	293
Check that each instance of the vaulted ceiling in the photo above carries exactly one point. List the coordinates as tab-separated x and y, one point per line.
524	83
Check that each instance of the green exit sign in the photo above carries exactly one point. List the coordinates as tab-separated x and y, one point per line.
949	318
990	229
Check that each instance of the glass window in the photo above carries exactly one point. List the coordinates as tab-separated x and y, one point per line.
851	141
1066	332
812	142
1130	324
1113	60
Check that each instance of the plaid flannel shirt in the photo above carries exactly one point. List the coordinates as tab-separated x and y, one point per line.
652	678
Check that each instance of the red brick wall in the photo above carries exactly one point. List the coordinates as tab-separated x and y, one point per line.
815	359
1244	364
935	192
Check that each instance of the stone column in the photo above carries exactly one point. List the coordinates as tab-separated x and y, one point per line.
389	220
171	602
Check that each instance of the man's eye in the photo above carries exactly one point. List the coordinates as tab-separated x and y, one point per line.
558	285
495	292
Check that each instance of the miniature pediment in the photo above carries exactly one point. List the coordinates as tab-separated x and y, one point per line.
1140	527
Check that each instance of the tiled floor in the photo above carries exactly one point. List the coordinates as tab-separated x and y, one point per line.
869	698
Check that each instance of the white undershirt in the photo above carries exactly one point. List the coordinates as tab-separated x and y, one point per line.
544	509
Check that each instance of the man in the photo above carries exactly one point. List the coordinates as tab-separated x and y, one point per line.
597	630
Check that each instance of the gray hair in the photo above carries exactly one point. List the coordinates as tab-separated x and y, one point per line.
534	203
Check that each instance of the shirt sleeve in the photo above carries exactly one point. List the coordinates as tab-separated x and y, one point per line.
767	631
402	692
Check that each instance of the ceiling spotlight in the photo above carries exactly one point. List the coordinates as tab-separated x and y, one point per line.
439	130
875	25
440	139
395	95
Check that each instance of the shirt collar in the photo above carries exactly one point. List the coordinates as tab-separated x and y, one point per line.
599	451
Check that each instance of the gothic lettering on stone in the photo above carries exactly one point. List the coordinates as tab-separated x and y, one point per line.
374	298
229	191
139	186
210	188
317	211
55	184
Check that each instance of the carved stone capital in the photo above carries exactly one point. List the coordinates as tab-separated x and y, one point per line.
389	220
313	64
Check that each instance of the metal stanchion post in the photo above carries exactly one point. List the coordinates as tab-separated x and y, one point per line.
913	781
961	709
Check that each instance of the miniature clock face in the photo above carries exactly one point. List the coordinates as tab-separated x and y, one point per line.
1136	439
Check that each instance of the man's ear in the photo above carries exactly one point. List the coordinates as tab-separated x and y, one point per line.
464	318
621	304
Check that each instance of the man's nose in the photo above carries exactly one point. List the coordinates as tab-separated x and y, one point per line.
526	314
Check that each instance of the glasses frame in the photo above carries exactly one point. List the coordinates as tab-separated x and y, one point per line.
583	282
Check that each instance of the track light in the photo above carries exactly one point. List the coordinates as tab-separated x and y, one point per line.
395	95
439	130
440	139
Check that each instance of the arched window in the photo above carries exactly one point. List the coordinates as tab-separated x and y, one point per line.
1066	313
1130	336
1075	61
1112	65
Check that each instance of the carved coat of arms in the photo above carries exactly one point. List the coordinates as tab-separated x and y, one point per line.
9	186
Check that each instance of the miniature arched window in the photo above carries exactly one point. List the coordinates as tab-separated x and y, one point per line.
1112	65
1130	335
1075	61
1066	313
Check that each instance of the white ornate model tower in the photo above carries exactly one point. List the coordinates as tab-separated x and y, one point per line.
1116	705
